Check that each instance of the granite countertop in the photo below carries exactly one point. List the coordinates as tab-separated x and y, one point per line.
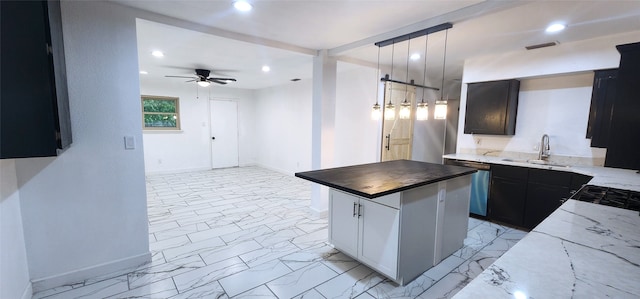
602	176
582	250
383	178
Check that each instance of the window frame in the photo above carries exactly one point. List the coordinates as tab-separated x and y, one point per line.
177	113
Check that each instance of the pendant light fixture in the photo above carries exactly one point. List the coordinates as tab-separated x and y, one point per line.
405	107
441	106
422	111
390	109
376	111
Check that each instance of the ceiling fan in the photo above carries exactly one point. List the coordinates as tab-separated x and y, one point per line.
203	79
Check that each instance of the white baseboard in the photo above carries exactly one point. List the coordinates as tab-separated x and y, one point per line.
80	275
170	171
319	213
28	292
282	171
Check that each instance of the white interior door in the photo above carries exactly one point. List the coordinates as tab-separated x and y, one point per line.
224	134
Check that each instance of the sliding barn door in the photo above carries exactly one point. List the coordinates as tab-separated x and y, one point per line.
397	134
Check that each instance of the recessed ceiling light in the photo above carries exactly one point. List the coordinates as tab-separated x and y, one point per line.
555	28
242	5
144	72
415	56
266	68
157	53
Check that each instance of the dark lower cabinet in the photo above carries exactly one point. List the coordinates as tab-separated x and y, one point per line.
507	194
541	201
524	196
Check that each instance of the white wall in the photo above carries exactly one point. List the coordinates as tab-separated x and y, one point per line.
84	212
14	271
554	97
283	127
357	136
190	148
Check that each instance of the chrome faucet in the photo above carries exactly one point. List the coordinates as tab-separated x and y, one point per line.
543	154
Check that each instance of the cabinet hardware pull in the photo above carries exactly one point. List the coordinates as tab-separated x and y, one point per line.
354	209
359	211
388	141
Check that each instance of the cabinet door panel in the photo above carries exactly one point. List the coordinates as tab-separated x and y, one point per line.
506	201
343	226
379	231
542	200
491	107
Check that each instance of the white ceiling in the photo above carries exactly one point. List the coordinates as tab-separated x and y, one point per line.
284	34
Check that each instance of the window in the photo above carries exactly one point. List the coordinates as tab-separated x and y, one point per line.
160	113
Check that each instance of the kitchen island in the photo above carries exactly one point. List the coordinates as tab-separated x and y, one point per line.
582	250
398	217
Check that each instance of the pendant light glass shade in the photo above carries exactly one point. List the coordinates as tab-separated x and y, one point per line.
440	110
390	111
422	112
405	110
376	112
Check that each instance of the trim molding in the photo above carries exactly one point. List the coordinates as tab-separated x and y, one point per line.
28	291
80	275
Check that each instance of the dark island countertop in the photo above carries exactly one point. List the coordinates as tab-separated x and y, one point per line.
382	178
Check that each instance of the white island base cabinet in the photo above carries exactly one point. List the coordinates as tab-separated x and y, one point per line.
403	234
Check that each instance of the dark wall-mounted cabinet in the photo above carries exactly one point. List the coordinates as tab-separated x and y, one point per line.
600	114
624	133
492	107
34	109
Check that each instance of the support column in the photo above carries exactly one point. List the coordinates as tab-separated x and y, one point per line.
323	116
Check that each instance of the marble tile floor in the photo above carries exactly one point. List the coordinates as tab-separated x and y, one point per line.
249	233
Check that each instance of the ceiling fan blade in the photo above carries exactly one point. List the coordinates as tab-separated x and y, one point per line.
191	80
216	81
190	77
223	79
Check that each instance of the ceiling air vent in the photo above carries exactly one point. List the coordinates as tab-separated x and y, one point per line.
538	46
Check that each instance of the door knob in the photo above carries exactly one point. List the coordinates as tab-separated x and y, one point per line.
213	138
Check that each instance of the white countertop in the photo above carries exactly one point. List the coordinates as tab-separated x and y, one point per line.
602	176
582	250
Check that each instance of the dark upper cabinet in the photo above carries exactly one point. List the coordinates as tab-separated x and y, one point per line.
34	111
624	134
492	107
602	98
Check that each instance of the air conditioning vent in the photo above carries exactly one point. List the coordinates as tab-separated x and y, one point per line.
538	46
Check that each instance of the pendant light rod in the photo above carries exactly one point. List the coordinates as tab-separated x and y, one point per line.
444	63
411	83
419	33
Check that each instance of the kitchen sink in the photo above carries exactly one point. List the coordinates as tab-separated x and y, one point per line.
547	163
537	162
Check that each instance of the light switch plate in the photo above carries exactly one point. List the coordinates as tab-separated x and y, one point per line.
129	142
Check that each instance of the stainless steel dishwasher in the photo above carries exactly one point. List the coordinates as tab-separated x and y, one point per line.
479	185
